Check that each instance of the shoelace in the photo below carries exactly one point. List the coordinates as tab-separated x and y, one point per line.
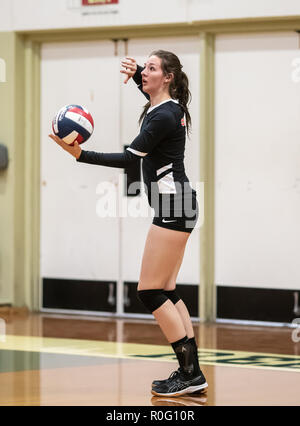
175	373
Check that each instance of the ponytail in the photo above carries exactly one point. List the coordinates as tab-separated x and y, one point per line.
184	97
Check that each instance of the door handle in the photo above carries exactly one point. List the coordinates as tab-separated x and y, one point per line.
111	300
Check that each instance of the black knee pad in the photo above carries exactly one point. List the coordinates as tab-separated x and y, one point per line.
172	295
152	299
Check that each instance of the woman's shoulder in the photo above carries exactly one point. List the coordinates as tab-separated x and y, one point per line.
169	112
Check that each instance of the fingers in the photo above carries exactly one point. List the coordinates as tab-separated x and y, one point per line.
56	139
59	141
128	76
132	60
130	64
129	73
130	68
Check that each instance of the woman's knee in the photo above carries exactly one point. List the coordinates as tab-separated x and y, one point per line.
152	299
173	296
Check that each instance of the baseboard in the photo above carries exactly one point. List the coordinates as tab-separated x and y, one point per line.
79	295
100	296
187	292
257	304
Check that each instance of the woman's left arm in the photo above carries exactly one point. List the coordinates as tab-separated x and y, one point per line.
151	135
120	160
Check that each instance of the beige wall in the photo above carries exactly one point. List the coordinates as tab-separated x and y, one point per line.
11	193
7	181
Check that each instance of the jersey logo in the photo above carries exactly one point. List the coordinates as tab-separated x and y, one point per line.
168	221
182	122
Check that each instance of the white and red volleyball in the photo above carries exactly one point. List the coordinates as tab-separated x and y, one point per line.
73	123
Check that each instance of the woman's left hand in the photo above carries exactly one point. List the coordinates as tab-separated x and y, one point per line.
130	66
74	150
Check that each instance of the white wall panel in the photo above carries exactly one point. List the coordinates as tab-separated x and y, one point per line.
230	9
75	241
257	131
45	14
41	14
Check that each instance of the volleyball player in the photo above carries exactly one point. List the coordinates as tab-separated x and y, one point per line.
161	145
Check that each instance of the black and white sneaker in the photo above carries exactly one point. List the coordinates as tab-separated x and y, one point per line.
156	383
179	384
165	381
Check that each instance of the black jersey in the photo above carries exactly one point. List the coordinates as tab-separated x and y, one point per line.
161	146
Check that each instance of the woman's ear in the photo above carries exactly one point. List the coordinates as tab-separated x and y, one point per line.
169	77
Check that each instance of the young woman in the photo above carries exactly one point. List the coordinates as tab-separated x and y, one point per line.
161	145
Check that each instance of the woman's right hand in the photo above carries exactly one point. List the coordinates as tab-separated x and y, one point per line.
130	66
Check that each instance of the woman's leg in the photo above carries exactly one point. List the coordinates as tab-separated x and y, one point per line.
180	305
163	250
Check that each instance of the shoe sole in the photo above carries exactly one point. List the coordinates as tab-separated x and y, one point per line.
195	392
192	393
189	390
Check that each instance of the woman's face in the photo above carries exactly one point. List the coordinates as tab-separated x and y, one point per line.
154	80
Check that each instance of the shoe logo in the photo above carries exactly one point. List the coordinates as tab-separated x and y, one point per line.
180	384
168	221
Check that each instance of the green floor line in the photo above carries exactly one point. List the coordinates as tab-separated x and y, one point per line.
92	348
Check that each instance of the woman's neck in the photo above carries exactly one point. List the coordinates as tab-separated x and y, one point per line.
158	98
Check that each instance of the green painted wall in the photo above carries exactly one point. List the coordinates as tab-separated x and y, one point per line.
11	191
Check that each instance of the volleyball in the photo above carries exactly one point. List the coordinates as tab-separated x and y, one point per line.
73	123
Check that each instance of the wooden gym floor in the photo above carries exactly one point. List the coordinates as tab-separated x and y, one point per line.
48	359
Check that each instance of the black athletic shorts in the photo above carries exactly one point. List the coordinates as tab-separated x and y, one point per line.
184	220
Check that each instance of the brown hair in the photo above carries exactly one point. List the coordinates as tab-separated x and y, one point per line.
179	86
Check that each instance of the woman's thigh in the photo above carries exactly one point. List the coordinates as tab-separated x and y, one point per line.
171	283
163	251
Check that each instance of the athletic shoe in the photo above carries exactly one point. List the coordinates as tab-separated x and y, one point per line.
165	381
170	378
180	384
